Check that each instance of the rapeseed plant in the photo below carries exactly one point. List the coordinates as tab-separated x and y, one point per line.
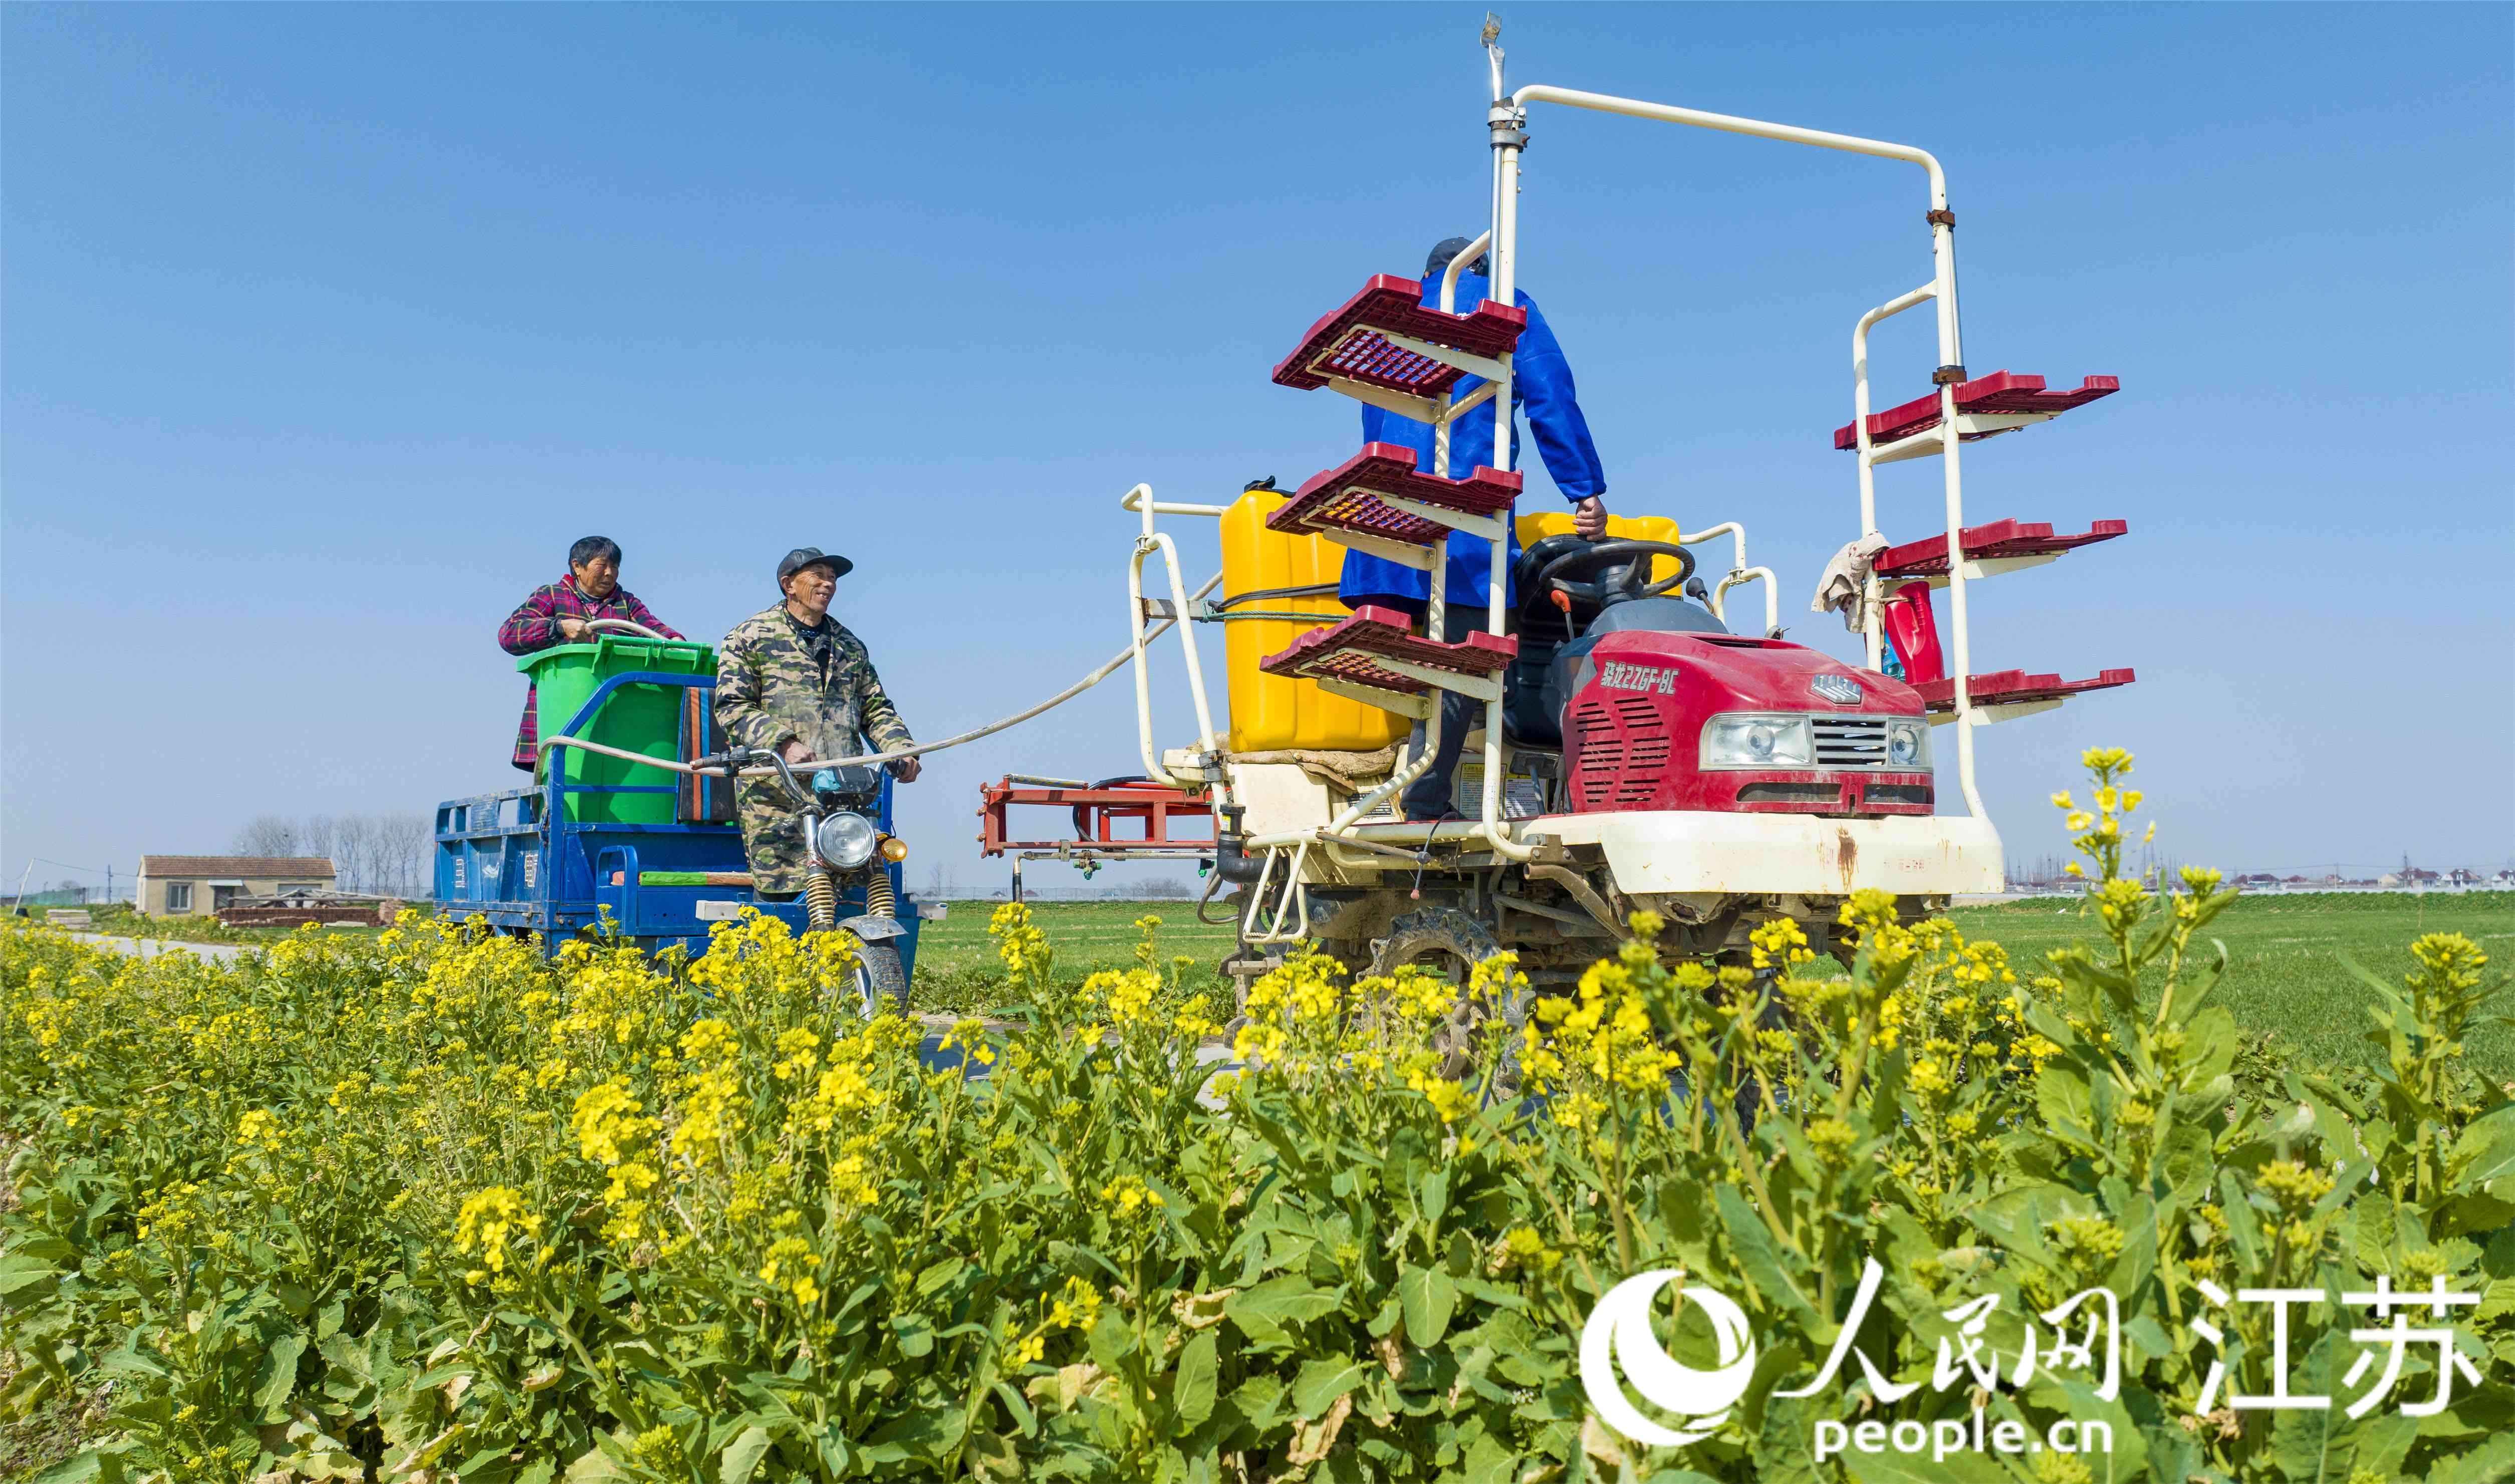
434	1206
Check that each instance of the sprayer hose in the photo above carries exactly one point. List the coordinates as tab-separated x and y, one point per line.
990	729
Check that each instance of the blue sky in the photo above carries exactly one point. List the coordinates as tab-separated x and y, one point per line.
327	328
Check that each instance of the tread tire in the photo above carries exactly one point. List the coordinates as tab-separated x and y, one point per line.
880	976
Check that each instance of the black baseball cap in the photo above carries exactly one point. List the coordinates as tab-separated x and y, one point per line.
811	556
1446	250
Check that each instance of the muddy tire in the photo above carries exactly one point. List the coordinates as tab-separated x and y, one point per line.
1451	943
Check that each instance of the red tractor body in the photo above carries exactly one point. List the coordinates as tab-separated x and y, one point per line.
1711	722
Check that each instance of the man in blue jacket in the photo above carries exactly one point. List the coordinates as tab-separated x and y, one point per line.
1540	385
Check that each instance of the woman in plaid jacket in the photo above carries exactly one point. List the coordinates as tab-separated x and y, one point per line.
557	613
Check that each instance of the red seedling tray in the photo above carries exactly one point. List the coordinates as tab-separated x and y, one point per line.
1343	650
1347	496
1928	556
2005	688
2000	391
1347	341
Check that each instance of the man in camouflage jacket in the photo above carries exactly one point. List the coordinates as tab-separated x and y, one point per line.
794	679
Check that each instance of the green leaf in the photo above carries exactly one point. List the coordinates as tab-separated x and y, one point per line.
1432	1195
1258	1400
1428	1298
594	1467
1192	1387
2306	1445
915	1335
1019	1406
742	1456
1279	1301
2184	1165
2492	1462
1761	1260
18	1272
2066	1105
278	1377
1323	1381
1892	1467
1112	1339
2242	1227
94	1466
2214	1043
2381	1443
2486	1150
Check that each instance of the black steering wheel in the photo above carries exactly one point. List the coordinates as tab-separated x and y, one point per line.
1619	568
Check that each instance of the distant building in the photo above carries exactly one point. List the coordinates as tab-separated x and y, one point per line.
183	885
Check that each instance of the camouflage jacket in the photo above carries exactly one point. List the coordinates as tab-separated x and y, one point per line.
776	678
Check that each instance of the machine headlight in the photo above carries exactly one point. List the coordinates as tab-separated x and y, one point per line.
1907	744
1754	740
846	841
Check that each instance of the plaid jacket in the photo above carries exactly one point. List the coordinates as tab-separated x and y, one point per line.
534	627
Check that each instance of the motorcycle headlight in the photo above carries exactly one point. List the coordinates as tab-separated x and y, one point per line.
1747	739
846	841
1907	744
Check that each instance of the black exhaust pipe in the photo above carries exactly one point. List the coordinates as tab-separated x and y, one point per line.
1231	859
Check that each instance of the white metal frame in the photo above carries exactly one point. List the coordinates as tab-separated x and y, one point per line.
1506	119
1208	746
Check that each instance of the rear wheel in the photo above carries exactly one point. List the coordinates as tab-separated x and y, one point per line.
1450	944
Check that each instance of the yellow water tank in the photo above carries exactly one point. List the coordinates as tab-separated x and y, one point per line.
1536	527
1270	713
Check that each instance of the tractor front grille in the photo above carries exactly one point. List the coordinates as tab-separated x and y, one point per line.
1850	741
1624	750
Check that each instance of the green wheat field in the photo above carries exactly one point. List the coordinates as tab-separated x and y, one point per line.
2287	955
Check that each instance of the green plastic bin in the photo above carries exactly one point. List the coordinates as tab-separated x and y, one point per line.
639	718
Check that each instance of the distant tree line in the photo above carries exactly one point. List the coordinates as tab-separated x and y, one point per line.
386	854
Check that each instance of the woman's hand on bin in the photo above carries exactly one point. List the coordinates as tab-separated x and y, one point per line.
573	630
